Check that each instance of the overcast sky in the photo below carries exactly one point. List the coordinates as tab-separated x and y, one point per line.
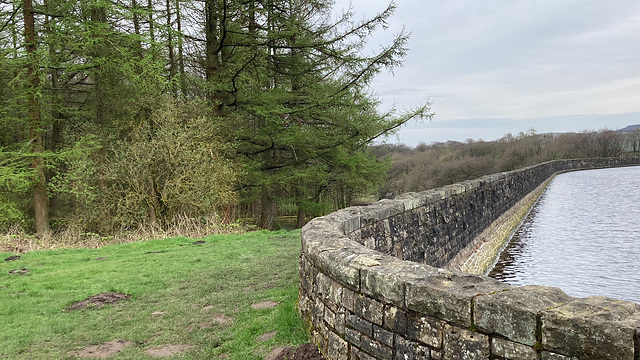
492	67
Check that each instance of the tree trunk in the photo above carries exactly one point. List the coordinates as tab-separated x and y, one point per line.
183	86
151	33
99	15
267	209
301	219
154	204
136	23
36	128
172	57
54	141
14	32
211	36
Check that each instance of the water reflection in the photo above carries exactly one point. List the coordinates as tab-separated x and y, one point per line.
583	236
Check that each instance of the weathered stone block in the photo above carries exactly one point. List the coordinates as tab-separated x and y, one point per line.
316	338
376	348
329	318
357	354
382	335
379	211
339	322
355	235
320	234
409	350
383	237
412	200
448	295
553	356
513	313
318	313
437	354
387	281
305	307
462	344
366	259
320	338
307	275
360	324
427	330
512	350
345	220
338	348
395	320
329	291
472	184
592	328
369	242
412	249
348	299
369	309
354	337
456	188
336	264
637	342
433	195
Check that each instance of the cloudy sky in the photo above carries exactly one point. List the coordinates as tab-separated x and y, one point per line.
493	67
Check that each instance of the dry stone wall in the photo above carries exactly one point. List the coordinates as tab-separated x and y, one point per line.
373	284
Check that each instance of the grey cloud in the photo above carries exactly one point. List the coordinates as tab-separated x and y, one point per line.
514	60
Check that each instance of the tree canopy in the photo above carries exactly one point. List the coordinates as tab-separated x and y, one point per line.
117	114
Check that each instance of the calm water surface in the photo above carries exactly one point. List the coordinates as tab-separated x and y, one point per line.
583	236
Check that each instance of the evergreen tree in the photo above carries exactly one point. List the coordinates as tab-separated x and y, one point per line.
297	84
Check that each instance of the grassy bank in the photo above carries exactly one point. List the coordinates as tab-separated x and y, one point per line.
183	292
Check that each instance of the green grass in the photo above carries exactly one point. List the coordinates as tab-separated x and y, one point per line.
190	283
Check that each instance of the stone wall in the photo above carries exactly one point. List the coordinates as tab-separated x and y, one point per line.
373	284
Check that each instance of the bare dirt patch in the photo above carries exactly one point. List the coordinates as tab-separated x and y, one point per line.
168	350
275	353
303	352
22	271
103	351
217	320
98	300
158	314
222	319
268	336
268	304
204	325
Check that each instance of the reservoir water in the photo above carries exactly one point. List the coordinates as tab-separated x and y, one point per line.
583	236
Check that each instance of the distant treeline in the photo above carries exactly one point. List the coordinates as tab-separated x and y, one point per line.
430	166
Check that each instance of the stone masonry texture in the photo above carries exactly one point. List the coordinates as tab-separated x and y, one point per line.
373	284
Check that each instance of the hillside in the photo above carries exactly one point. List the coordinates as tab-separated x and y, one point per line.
630	128
430	166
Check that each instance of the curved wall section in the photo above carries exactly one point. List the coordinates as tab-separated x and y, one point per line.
373	286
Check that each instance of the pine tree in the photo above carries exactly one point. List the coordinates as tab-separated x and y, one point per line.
297	83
